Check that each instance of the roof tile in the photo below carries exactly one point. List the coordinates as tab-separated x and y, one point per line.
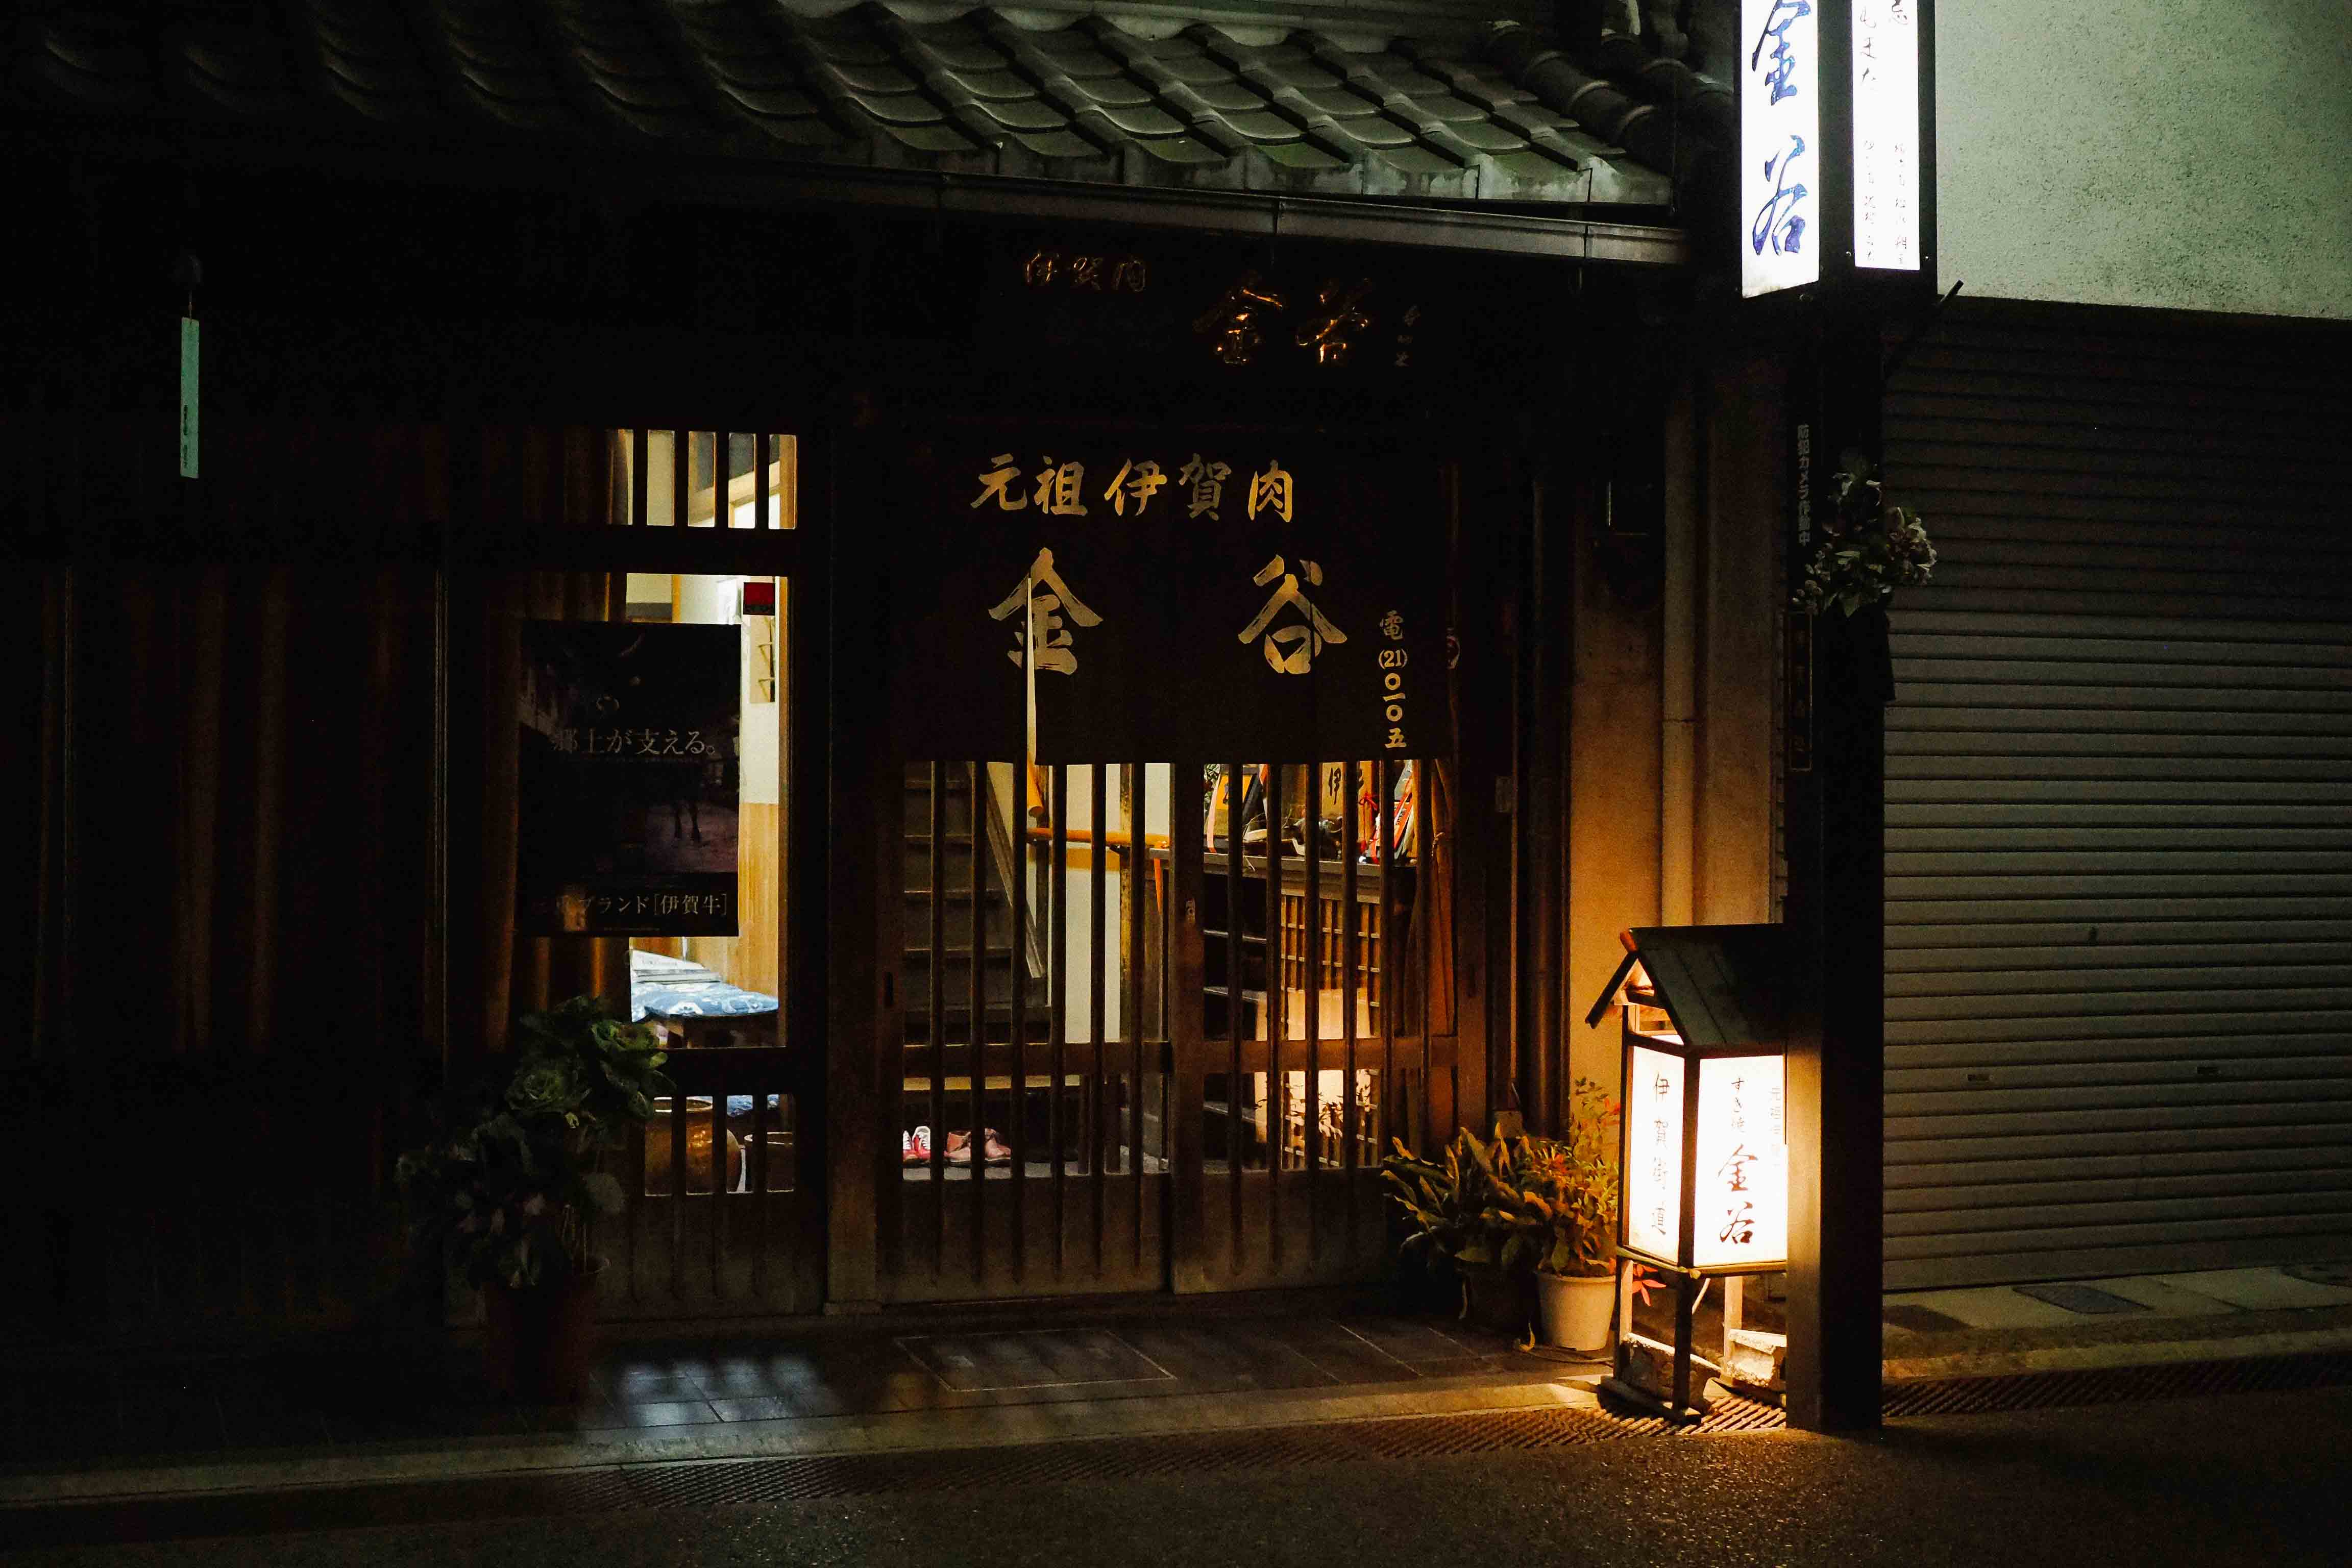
1113	92
958	45
914	84
1443	106
843	39
900	109
935	137
1057	145
1262	125
1181	150
1144	120
1229	95
998	85
782	102
860	76
1026	114
1302	155
1483	136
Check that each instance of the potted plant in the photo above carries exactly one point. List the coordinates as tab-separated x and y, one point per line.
1522	1209
1865	550
1558	1205
1450	1212
505	1196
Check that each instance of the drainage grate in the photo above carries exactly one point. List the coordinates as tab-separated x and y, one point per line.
2081	1298
2179	1380
2339	1274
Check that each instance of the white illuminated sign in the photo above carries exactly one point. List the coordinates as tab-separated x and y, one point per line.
1653	1154
1886	135
1742	1197
1779	146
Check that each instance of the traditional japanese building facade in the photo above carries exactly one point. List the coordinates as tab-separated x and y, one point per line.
1250	556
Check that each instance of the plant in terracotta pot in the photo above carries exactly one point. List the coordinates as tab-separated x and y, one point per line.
1555	1204
505	1197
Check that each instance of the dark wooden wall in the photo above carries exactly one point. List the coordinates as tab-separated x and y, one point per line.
232	999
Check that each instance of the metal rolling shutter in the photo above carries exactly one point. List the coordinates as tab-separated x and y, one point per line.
2119	800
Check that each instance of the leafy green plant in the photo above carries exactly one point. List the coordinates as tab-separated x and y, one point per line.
1866	549
1446	1202
1525	1202
504	1194
1558	1207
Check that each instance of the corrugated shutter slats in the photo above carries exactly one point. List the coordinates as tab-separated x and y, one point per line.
2119	802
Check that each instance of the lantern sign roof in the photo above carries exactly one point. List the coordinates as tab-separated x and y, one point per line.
1722	985
1377	98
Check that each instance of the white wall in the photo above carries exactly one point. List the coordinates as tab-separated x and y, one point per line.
2195	155
718	602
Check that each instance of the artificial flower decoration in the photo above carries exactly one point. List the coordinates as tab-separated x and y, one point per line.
1867	549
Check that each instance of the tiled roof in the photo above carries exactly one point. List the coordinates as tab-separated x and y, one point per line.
1502	117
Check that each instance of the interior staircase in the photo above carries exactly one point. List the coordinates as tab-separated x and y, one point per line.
953	1024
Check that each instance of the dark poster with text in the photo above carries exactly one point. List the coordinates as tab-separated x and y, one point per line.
628	780
1149	597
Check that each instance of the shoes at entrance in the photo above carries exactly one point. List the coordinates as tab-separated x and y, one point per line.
991	1151
915	1148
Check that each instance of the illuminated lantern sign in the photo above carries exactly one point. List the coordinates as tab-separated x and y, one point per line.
1886	135
1780	189
1706	1142
1836	144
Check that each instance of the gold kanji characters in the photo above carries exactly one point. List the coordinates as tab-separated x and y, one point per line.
1042	634
1274	490
1138	482
1058	487
997	485
1290	649
1207	481
1236	323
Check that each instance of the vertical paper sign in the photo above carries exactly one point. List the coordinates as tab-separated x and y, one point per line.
1654	1154
1886	135
188	397
1742	1197
629	780
1779	146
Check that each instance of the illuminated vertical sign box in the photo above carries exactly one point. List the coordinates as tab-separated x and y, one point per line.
1782	189
1705	1136
1884	51
1837	142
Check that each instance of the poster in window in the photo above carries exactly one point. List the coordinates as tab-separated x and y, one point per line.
629	780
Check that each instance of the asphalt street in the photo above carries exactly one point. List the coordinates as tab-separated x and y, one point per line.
2259	1478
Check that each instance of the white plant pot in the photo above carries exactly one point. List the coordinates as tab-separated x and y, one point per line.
1576	1310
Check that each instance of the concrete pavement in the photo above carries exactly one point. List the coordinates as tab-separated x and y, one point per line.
2250	1478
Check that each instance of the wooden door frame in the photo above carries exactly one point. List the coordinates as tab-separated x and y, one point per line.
798	557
